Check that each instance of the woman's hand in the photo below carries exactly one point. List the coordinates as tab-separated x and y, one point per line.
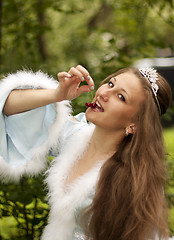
26	99
69	82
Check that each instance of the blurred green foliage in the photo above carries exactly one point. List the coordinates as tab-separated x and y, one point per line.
169	142
52	36
23	209
102	35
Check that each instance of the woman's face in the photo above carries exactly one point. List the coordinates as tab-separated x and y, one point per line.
117	102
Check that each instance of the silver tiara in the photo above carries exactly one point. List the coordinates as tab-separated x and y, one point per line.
151	75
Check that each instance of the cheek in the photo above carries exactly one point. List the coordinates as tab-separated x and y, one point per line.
123	115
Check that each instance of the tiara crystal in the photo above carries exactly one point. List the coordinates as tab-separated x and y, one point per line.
151	75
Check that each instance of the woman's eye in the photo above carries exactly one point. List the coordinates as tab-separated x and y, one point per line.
121	97
110	84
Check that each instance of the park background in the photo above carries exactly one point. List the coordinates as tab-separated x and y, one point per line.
101	35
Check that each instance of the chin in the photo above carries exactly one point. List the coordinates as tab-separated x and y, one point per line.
87	114
90	116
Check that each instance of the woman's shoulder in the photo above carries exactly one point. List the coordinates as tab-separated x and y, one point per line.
80	118
75	124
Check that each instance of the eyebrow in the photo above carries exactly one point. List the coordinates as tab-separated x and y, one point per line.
122	89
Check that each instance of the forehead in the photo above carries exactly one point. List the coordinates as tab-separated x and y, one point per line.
131	84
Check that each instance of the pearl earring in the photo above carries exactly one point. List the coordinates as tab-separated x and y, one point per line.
127	132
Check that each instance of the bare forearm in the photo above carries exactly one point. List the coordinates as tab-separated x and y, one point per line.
26	99
68	88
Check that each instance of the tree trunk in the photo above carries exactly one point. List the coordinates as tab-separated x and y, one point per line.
40	37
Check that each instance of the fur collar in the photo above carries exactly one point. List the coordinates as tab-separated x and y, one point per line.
28	79
65	201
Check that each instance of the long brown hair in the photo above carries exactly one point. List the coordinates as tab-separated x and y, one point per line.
129	203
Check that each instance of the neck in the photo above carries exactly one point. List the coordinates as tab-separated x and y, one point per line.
105	142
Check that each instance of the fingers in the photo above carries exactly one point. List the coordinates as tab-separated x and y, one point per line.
86	76
75	72
83	71
82	89
90	83
63	75
78	74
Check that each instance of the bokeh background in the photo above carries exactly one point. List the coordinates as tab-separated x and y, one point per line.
101	35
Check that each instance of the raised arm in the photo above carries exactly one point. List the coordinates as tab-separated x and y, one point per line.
23	100
26	99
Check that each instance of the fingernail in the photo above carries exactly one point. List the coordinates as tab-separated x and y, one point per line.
92	88
83	79
88	77
68	75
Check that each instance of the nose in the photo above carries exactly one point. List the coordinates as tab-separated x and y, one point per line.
104	95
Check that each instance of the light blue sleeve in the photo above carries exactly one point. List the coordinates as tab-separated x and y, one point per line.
22	141
25	132
27	138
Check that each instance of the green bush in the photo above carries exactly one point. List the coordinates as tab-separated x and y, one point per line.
24	209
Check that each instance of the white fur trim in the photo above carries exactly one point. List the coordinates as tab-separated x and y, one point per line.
65	200
38	162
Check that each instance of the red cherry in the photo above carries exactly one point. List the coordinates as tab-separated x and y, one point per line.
88	104
93	105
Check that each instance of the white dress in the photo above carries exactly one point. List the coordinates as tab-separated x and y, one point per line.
27	139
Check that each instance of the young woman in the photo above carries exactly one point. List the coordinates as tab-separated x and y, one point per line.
108	177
